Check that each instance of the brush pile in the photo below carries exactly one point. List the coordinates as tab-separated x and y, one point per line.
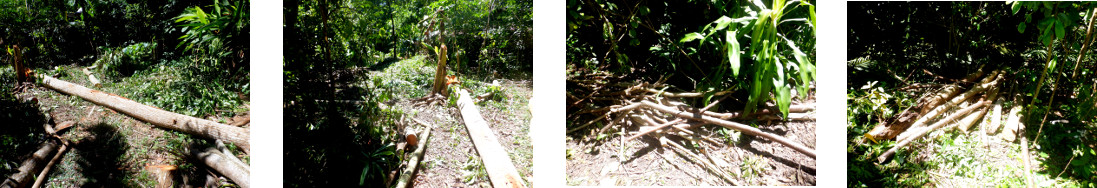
649	110
974	100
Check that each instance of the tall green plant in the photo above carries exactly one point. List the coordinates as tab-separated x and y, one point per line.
215	35
777	64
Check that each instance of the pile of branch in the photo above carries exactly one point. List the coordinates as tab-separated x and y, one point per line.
654	110
949	108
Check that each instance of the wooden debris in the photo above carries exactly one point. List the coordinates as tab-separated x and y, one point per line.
408	175
1013	121
226	165
29	166
91	78
903	143
500	169
995	117
153	115
732	125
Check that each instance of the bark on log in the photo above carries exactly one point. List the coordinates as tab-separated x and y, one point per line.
155	116
990	80
995	117
733	125
413	163
500	169
225	164
1013	122
903	143
29	166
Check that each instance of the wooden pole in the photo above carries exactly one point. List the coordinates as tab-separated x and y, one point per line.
500	169
225	164
155	116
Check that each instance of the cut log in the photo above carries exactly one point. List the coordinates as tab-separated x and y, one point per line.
1013	121
900	123
153	115
990	80
91	78
29	166
413	163
500	169
995	117
903	143
732	125
972	119
226	165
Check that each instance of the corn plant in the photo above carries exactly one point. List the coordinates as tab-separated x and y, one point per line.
776	62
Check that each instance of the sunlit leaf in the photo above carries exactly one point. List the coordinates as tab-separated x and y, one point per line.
733	52
691	37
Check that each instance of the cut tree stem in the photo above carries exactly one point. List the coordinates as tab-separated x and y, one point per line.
29	166
496	161
152	115
225	164
903	143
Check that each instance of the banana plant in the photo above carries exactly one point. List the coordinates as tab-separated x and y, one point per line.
776	63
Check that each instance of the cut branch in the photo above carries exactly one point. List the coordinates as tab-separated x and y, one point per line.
732	125
152	115
413	162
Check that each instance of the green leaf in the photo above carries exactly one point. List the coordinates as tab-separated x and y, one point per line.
691	37
1021	27
784	98
722	23
1015	6
1059	29
733	52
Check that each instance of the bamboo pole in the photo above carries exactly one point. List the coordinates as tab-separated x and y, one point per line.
155	116
990	80
733	125
500	169
903	143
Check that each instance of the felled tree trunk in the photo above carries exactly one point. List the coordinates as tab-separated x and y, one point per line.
225	164
408	175
500	169
34	163
155	116
440	74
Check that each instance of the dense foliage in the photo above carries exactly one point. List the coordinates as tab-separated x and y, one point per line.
763	47
329	44
1044	46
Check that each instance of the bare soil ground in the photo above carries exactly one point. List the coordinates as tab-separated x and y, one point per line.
644	162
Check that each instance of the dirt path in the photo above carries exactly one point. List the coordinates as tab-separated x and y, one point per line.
644	162
451	159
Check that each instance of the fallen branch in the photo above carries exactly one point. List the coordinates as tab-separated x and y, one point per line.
152	115
413	163
225	164
904	142
56	157
29	166
500	169
703	163
685	95
737	126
